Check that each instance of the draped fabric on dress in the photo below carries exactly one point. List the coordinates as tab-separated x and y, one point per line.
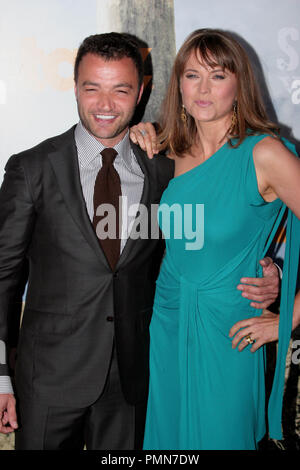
204	394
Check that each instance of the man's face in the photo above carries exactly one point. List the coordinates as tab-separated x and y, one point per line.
107	93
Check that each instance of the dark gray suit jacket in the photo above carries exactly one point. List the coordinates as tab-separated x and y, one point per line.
75	305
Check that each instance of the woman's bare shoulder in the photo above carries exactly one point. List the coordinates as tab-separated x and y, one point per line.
269	150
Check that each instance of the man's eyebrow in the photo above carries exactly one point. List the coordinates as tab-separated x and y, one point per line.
89	83
123	85
118	85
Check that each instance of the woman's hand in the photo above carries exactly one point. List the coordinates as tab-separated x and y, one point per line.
261	330
144	135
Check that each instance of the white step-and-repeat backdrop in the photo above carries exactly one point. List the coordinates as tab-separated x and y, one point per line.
38	41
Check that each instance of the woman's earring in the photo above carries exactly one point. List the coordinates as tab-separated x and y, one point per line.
234	119
183	115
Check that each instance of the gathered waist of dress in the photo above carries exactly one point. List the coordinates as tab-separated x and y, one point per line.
209	300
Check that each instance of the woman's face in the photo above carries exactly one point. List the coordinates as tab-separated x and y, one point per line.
208	93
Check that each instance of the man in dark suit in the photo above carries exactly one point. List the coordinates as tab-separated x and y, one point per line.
82	367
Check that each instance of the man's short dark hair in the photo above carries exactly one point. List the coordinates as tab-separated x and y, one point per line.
111	46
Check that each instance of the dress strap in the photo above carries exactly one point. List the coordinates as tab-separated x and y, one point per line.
276	225
288	290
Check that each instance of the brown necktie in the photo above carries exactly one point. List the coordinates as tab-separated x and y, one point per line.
107	191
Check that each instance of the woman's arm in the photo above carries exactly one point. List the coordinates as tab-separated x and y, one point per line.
278	173
278	176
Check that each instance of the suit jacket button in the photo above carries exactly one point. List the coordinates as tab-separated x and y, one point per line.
109	318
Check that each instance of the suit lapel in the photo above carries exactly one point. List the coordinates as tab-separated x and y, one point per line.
64	162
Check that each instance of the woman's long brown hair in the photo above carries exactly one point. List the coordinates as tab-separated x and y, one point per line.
215	48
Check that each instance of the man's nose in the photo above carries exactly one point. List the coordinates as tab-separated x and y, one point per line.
104	101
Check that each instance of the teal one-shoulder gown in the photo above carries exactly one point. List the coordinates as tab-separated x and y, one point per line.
203	393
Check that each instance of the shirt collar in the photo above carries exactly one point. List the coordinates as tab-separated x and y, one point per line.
89	147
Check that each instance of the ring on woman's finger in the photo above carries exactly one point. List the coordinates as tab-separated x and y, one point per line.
143	132
249	339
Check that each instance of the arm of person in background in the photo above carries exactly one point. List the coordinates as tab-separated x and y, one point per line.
261	291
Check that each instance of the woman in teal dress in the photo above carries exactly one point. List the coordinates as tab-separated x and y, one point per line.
233	179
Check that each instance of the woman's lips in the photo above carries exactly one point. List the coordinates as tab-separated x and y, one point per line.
203	104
